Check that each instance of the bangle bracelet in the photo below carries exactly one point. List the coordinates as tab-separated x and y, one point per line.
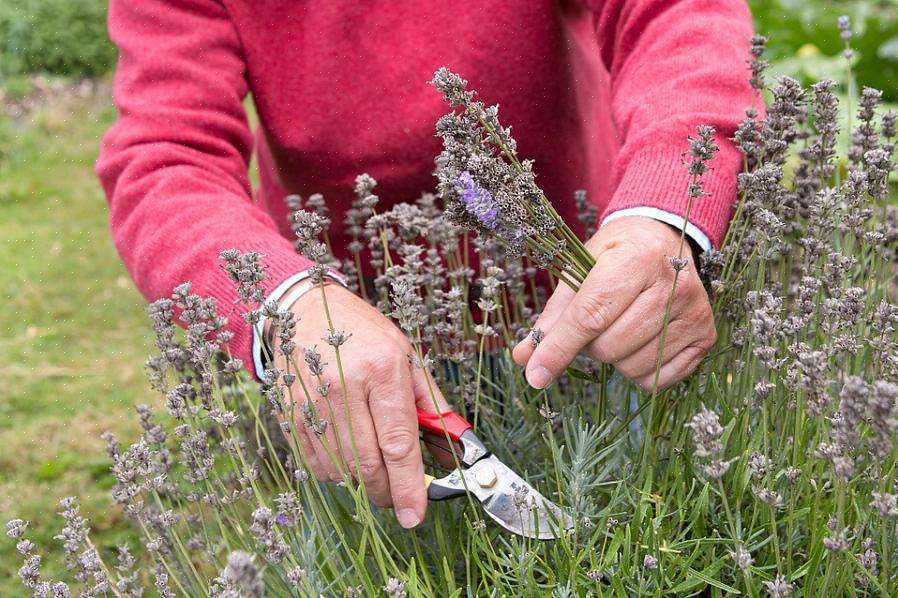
292	296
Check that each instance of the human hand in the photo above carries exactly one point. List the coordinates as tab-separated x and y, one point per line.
382	391
617	315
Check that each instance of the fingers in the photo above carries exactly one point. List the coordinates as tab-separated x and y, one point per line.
555	306
634	329
609	289
683	364
392	404
368	464
642	362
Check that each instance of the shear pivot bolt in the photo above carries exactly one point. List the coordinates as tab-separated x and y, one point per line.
486	477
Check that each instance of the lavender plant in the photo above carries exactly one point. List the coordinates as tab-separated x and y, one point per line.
773	471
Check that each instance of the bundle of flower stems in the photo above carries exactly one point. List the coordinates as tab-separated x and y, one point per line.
486	187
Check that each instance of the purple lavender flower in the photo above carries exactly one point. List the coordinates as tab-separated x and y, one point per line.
478	201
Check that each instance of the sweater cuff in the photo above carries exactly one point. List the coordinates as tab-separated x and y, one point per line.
692	231
654	177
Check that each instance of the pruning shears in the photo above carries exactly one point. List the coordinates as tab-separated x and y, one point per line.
505	496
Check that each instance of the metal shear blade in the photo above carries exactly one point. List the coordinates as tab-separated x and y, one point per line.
506	497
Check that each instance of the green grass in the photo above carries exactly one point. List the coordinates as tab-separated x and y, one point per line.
73	334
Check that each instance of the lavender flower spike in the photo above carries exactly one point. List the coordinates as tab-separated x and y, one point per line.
478	201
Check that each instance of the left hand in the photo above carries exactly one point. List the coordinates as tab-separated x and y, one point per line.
617	315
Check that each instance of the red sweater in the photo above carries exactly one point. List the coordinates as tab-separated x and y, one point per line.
602	95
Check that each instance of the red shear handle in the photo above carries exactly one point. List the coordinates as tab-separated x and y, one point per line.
450	422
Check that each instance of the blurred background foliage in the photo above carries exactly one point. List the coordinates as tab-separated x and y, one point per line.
805	44
57	37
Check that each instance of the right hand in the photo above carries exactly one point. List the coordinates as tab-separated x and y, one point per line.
382	392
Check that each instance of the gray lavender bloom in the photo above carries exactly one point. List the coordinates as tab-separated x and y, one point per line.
779	587
289	508
706	433
75	531
845	33
822	149
395	588
313	361
769	497
885	503
879	167
742	558
30	571
837	543
759	465
701	150
844	24
756	65
649	563
161	582
266	535
242	574
869	560
196	456
247	271
595	575
286	329
883	414
308	226
15	528
864	138
852	406
812	367
311	419
296	575
780	127
24	547
678	263
337	338
408	305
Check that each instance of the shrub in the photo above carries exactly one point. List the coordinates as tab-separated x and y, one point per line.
60	37
771	470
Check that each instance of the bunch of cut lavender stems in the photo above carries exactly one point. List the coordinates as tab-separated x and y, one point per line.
772	471
488	188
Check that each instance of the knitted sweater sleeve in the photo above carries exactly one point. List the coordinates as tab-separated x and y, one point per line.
174	165
675	64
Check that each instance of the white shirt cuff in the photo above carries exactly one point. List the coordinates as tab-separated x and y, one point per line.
676	221
275	295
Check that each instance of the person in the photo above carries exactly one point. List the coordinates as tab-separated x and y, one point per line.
602	95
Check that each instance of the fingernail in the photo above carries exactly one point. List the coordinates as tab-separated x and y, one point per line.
407	518
539	377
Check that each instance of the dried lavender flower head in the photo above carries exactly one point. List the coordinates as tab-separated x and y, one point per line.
247	271
244	575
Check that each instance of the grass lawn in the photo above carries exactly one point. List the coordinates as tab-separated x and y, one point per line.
73	334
